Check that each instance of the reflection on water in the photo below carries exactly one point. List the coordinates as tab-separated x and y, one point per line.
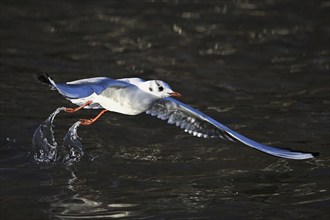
82	208
88	206
46	148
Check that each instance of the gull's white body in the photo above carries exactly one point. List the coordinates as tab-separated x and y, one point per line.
132	96
118	96
113	100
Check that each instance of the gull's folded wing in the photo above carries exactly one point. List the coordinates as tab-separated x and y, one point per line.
201	125
86	87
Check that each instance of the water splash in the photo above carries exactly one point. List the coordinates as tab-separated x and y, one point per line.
72	150
46	149
43	141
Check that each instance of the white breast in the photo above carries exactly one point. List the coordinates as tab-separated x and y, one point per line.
120	106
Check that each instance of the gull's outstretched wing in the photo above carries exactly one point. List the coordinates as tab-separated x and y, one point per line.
201	125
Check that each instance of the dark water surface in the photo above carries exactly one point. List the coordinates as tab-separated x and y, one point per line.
260	67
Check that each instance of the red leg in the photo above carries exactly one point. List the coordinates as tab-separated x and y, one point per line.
71	110
91	121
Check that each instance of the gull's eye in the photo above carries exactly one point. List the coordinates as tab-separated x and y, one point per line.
160	88
150	89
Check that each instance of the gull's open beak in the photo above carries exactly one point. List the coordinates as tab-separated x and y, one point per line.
174	94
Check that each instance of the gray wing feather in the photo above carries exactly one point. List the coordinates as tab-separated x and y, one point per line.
201	125
187	118
86	87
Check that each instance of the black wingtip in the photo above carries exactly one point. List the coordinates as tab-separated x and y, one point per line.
43	78
316	154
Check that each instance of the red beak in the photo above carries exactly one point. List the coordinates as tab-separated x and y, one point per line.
174	94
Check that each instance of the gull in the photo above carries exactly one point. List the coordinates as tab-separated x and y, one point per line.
133	96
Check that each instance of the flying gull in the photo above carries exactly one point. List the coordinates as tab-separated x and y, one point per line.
132	96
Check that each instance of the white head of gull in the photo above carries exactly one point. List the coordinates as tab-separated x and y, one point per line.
132	96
